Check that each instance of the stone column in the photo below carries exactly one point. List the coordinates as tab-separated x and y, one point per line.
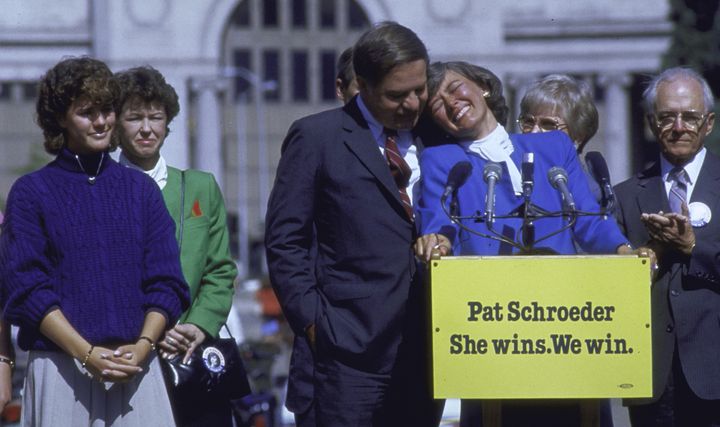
208	153
616	124
177	147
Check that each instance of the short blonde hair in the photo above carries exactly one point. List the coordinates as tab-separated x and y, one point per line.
572	101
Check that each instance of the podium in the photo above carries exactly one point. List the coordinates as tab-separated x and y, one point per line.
541	327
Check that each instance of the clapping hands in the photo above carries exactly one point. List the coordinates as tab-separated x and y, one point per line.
670	230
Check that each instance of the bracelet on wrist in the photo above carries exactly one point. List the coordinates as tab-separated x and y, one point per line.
145	338
87	356
7	360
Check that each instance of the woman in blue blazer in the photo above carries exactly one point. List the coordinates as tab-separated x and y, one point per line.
466	101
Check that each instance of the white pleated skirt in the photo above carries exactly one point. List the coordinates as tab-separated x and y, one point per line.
59	392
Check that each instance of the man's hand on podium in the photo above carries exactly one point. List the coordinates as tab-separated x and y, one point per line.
431	245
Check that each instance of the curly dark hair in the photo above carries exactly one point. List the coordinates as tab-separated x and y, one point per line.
149	86
69	80
481	76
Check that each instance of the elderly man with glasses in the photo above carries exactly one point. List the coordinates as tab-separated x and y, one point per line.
669	207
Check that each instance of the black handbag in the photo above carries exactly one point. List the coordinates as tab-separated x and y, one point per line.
215	369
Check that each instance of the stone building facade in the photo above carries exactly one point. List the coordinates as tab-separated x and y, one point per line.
245	69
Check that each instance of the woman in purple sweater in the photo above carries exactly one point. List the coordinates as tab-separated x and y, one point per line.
90	266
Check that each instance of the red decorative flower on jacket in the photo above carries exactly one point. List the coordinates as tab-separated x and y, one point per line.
196	211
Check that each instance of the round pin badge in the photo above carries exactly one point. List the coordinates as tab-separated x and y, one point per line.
213	359
700	214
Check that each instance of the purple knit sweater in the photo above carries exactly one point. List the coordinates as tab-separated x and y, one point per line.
104	253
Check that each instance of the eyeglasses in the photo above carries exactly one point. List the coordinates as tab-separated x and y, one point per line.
691	120
528	122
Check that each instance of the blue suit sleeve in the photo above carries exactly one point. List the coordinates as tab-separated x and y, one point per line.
429	212
289	231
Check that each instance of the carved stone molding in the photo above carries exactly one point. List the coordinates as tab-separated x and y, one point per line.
144	12
214	84
620	79
448	11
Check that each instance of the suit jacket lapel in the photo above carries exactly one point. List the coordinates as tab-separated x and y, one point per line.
651	197
361	143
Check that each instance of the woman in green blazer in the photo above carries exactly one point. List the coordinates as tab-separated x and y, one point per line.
145	108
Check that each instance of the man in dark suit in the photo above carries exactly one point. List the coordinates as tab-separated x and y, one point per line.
674	207
339	234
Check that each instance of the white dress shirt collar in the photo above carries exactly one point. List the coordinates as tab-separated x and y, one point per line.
404	139
692	169
497	147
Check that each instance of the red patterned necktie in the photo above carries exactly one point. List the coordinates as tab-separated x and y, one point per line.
398	168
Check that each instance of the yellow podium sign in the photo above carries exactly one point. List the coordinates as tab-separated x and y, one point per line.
541	327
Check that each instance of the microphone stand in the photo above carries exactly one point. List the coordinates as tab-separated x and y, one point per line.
478	218
528	229
530	214
454	206
528	226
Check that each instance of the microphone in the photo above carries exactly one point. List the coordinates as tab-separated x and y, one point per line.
492	172
598	169
528	168
456	178
558	179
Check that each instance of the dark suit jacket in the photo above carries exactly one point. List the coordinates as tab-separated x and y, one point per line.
334	192
686	293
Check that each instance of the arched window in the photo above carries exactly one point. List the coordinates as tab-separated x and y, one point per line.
281	57
294	43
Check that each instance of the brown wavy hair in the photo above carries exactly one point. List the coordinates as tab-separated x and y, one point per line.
69	80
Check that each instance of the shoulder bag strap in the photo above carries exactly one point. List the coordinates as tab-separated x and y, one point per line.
228	331
182	208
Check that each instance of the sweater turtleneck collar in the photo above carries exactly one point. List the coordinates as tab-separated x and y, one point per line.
89	164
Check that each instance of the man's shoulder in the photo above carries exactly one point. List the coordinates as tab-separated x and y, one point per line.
627	186
632	184
712	161
322	120
321	130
